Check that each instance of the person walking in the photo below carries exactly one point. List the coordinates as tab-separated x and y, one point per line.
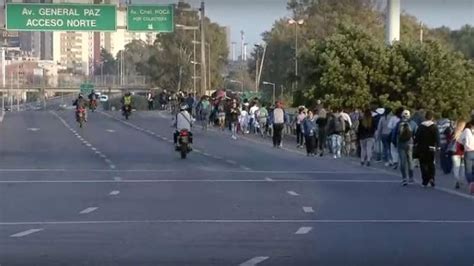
467	139
234	114
322	122
456	149
392	125
205	111
366	136
336	125
299	126
262	119
279	119
445	129
150	97
383	133
310	132
426	143
402	138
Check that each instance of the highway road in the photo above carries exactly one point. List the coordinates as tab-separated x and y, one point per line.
116	193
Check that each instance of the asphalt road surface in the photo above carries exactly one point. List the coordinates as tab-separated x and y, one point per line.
116	193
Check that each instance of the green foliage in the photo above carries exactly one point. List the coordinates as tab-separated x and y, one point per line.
351	69
384	84
168	62
107	65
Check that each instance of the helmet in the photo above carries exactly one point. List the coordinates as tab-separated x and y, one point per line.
183	107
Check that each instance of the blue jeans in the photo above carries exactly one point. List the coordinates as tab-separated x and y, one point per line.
468	162
336	144
387	156
405	155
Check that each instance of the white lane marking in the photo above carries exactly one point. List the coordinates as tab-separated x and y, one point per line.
308	209
303	230
33	129
182	180
112	166
110	130
88	210
268	179
113	193
97	152
254	261
117	178
108	161
103	156
245	168
94	149
27	232
231	161
206	154
464	222
88	145
292	193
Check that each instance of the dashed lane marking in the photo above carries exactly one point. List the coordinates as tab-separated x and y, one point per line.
117	178
292	193
27	232
268	179
272	221
110	130
85	142
114	193
88	210
303	230
254	261
34	129
308	209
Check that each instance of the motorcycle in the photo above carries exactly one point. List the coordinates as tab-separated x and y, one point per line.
93	105
81	116
127	111
184	141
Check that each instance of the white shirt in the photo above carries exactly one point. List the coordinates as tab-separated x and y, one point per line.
347	118
467	139
253	110
184	121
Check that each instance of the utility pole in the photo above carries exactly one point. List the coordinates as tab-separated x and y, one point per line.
421	32
203	50
194	65
393	21
3	80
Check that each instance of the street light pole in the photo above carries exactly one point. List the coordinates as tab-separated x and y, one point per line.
203	50
209	66
296	23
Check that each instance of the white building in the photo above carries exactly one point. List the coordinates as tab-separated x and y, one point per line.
79	52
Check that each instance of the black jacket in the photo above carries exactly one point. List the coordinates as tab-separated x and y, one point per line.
426	136
366	132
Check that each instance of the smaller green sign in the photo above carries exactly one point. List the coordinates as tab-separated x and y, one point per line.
150	18
86	88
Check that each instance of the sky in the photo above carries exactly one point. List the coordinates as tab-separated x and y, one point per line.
257	16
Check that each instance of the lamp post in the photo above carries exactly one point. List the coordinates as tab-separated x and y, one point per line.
194	29
297	23
272	84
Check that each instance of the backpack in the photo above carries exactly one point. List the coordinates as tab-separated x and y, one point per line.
404	133
339	124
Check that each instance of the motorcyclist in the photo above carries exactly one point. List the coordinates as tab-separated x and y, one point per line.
80	104
183	120
126	101
92	97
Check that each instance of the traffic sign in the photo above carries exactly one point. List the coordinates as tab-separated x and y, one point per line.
86	88
60	17
150	18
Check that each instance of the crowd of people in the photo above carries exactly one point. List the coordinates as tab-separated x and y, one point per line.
396	137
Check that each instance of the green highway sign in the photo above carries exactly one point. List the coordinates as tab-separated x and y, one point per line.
150	18
86	88
60	17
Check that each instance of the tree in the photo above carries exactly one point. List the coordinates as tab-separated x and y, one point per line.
107	64
352	69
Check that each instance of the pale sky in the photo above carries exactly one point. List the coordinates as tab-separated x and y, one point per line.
257	16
